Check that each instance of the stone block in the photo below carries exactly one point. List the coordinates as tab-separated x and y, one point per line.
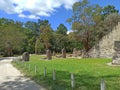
25	56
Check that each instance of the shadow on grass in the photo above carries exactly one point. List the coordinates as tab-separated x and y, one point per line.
82	82
61	82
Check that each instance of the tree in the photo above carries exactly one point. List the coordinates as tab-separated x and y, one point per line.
83	20
33	26
111	21
11	36
61	29
45	33
109	9
39	46
8	49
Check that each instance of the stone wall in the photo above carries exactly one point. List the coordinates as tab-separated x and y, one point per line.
105	48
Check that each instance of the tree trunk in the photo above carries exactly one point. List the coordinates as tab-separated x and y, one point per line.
86	42
47	45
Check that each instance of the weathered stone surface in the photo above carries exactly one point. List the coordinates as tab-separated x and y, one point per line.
63	53
25	56
49	55
75	52
105	47
85	55
116	57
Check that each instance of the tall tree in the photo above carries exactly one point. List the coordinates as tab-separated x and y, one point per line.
109	9
83	20
111	21
33	26
45	33
61	29
39	46
9	41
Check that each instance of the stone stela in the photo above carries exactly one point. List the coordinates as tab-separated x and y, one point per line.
63	53
116	57
75	52
48	53
25	56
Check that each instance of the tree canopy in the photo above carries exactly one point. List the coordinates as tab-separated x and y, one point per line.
89	22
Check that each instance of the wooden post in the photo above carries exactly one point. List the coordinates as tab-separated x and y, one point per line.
35	69
54	75
102	85
44	71
72	81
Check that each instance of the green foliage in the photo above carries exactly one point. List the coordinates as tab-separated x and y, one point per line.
29	42
106	26
33	26
11	32
45	33
112	20
109	9
61	29
39	47
88	73
83	19
91	22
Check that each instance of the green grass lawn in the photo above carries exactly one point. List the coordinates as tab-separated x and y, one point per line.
88	73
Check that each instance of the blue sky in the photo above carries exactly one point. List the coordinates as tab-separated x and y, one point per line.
56	11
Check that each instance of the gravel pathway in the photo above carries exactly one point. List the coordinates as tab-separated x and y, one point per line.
12	79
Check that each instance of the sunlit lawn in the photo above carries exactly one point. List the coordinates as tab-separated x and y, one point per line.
88	73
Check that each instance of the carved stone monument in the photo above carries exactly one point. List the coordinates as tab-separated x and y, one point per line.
75	52
48	53
63	53
116	57
25	56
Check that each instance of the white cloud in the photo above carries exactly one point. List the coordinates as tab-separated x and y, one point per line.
33	17
22	15
36	8
69	31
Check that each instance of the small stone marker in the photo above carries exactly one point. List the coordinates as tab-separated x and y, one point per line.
48	53
75	52
54	75
63	53
35	69
25	56
72	80
102	85
44	71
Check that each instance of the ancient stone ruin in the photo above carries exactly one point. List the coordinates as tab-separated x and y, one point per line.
63	53
25	56
105	47
75	52
48	54
116	57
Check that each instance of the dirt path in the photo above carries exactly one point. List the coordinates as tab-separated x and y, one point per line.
12	79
